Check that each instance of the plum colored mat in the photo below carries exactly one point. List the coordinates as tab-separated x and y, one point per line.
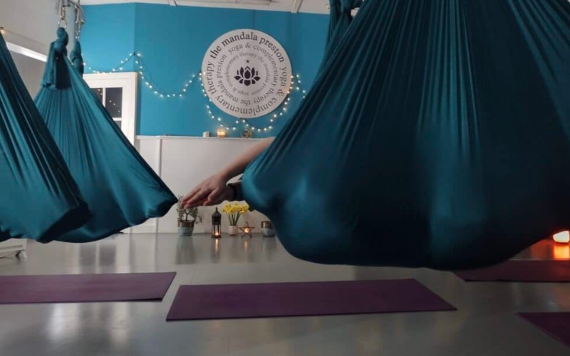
521	271
556	325
303	299
75	288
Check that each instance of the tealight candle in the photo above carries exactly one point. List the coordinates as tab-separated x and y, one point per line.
221	133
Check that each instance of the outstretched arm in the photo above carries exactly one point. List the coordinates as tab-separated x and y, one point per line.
214	190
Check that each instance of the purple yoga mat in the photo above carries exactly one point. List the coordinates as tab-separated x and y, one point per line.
521	271
556	325
229	301
75	288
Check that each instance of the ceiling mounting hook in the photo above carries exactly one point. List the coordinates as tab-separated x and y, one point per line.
62	17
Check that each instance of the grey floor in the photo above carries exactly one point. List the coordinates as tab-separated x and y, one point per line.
484	325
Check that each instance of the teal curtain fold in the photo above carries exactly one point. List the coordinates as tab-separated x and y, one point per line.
119	186
38	197
436	135
340	20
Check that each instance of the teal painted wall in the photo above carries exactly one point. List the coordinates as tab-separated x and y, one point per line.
172	42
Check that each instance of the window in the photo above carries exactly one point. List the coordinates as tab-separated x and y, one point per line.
118	94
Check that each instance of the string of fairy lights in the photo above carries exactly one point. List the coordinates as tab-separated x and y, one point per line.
222	121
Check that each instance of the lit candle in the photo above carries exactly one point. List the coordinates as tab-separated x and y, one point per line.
221	133
216	224
561	252
562	237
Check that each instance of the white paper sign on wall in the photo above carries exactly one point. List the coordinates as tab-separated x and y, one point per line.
246	73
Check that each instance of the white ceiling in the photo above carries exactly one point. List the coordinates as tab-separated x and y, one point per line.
310	6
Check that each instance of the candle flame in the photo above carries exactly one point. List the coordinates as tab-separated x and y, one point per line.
562	237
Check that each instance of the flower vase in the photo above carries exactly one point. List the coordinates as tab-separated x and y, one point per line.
233	230
185	228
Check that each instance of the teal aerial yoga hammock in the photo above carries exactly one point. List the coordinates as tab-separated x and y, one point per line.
38	197
119	186
437	134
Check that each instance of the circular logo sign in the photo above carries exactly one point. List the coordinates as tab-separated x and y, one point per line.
246	73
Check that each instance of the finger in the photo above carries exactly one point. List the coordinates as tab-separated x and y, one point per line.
196	204
201	194
191	194
215	194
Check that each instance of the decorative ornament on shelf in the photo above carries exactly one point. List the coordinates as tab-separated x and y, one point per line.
562	237
216	224
267	229
221	132
247	230
247	133
234	211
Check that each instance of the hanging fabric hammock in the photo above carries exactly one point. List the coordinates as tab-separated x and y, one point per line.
119	186
437	134
38	197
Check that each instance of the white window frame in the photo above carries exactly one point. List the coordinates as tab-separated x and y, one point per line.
129	82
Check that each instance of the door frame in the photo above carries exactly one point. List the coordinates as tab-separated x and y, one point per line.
128	81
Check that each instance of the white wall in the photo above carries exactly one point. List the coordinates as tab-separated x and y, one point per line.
183	162
31	70
32	23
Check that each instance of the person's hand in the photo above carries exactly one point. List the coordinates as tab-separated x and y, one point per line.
211	191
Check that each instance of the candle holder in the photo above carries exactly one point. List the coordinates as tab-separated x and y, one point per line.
267	229
216	224
247	230
221	133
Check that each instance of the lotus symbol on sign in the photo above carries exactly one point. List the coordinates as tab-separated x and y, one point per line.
247	76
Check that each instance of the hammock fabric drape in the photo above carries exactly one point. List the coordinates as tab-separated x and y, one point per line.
437	134
38	197
120	188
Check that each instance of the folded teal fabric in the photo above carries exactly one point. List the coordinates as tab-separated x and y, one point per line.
121	189
437	134
38	197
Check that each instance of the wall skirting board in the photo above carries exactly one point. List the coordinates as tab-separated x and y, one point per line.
182	162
